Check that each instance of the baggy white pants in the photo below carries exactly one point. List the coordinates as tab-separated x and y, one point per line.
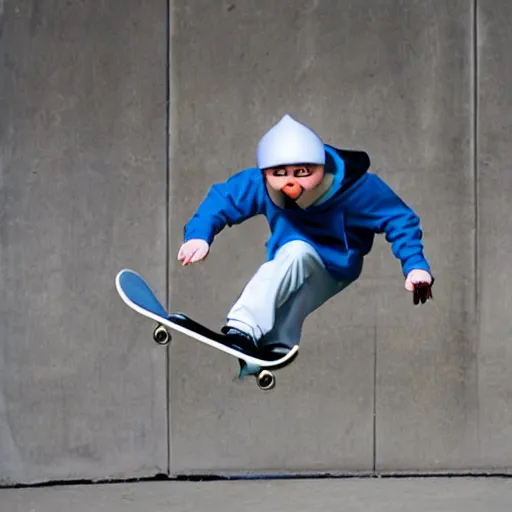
283	292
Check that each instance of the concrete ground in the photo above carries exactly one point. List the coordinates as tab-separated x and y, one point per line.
336	495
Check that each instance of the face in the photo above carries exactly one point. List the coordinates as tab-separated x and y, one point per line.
294	180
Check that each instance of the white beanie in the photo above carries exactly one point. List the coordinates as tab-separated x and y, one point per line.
290	142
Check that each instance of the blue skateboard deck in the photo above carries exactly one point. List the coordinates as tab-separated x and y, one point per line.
137	294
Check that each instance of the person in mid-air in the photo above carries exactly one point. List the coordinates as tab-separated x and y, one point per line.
323	207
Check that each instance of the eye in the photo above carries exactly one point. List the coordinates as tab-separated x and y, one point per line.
279	172
302	172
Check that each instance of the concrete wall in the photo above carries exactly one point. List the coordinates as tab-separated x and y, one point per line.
379	384
396	81
426	381
82	148
494	234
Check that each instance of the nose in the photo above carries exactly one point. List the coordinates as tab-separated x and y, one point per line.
292	189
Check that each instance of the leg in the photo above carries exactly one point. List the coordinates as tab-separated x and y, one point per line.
317	287
315	291
290	317
275	283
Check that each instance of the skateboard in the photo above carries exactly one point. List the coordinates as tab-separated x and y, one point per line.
137	294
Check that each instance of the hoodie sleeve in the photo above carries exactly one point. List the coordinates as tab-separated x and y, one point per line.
227	203
375	206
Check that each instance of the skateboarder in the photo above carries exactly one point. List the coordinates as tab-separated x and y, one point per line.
323	207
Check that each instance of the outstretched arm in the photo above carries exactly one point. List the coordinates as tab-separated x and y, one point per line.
377	207
227	203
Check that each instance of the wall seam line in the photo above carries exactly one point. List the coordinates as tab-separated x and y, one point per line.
476	263
167	218
375	398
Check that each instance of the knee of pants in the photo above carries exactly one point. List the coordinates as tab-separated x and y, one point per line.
300	252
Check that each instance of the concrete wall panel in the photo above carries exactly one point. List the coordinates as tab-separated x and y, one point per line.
82	194
426	357
391	78
237	68
495	233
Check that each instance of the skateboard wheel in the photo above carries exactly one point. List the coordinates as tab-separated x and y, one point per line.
161	335
266	380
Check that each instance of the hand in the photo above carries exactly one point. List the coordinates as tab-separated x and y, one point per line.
193	251
420	283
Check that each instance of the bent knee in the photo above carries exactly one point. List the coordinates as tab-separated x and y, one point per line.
298	250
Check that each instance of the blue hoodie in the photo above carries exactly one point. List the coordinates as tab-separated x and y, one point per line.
341	226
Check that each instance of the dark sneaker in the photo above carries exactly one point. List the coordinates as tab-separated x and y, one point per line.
240	339
280	348
275	349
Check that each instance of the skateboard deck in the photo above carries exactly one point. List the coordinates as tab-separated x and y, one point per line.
138	295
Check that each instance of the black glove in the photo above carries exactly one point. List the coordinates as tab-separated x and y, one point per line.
422	292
